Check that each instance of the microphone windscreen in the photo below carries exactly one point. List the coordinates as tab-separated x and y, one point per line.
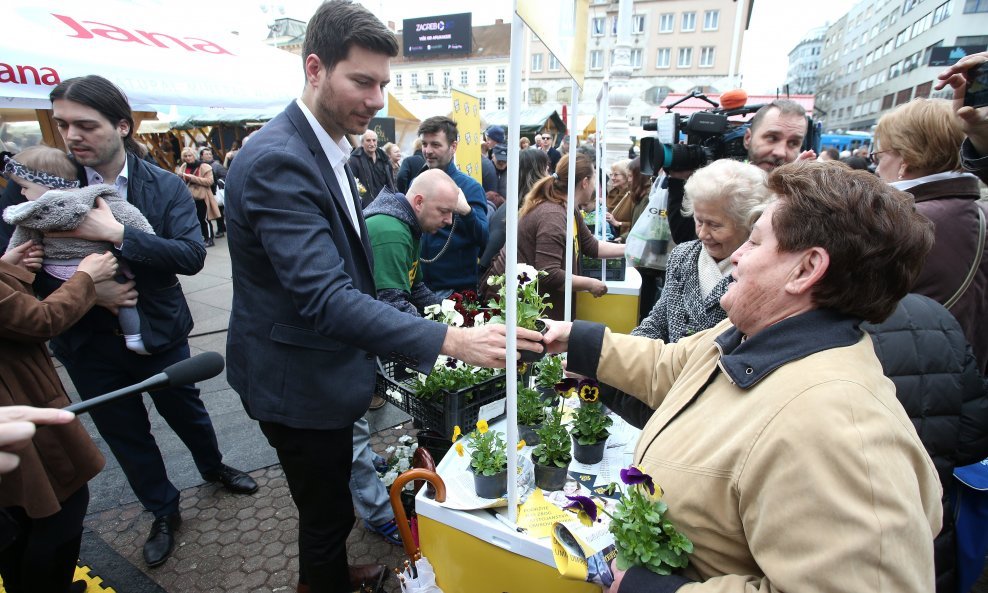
192	370
733	99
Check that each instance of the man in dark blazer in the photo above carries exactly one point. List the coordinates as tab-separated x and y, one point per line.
95	121
305	326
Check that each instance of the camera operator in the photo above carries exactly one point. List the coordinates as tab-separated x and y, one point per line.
774	138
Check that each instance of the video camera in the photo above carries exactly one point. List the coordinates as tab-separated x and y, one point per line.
710	135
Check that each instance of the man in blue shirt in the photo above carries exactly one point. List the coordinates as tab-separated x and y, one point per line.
449	257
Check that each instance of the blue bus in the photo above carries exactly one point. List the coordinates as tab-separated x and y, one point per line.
849	141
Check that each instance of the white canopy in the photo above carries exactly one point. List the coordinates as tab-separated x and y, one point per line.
156	57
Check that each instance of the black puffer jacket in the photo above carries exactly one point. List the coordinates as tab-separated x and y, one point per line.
923	350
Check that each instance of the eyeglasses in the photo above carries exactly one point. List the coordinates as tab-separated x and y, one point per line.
873	156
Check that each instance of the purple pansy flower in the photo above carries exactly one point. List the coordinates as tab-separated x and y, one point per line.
633	476
583	505
567	386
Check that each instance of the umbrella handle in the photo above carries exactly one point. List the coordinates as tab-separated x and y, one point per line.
400	518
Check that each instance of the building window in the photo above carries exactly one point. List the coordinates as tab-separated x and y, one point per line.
685	57
564	95
638	24
398	81
536	62
430	79
500	103
537	96
482	76
500	75
597	26
553	63
415	79
711	20
666	22
446	79
942	12
483	103
902	37
706	57
923	90
614	26
662	57
689	22
464	78
636	57
975	6
887	101
596	59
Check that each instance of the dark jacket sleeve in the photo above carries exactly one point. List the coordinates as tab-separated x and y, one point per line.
176	246
974	162
11	195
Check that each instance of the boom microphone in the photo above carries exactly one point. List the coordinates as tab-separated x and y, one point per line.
191	370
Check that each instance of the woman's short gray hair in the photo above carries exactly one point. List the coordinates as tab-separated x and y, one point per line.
739	186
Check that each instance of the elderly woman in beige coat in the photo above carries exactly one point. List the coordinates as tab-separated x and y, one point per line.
781	448
198	176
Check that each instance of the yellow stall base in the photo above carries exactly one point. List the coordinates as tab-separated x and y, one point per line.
465	564
619	312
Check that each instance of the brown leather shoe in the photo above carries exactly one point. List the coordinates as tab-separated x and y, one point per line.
377	402
366	575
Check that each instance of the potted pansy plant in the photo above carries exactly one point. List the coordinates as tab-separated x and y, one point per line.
551	457
590	422
643	535
531	304
530	414
548	372
488	459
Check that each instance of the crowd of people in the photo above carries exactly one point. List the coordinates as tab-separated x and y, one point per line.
810	357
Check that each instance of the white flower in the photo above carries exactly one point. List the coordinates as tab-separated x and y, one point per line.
457	320
405	439
493	280
390	450
448	306
432	310
403	465
526	270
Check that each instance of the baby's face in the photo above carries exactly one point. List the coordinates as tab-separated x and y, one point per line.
30	190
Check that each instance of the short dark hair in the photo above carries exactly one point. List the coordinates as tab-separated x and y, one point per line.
440	123
876	240
786	107
102	95
338	25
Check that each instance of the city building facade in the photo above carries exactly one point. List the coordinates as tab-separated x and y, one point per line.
876	56
804	62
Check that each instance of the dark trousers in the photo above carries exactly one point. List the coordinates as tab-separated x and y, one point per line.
44	555
104	365
220	222
317	467
205	227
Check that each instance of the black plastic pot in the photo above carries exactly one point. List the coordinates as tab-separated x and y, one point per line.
494	486
527	433
528	355
548	394
589	454
550	477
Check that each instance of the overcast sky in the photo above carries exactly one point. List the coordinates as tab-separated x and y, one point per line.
776	25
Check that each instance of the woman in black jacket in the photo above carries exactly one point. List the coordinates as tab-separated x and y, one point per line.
923	350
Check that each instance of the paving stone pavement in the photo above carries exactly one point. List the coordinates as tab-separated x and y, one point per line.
231	543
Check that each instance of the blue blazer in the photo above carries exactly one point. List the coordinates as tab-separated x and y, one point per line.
306	326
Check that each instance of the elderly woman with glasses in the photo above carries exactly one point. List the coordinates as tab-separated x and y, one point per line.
779	444
919	152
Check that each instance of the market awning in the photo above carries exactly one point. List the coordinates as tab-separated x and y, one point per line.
157	57
533	120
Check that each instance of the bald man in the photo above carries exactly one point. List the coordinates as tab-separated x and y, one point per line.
371	168
395	223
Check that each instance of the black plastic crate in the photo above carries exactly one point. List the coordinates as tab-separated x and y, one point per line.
459	408
615	268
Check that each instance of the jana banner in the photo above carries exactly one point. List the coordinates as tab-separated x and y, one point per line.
156	57
466	114
562	26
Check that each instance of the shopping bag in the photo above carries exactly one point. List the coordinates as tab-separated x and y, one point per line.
220	192
648	241
971	522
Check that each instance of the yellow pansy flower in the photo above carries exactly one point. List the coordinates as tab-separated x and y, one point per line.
482	427
457	433
459	449
521	444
